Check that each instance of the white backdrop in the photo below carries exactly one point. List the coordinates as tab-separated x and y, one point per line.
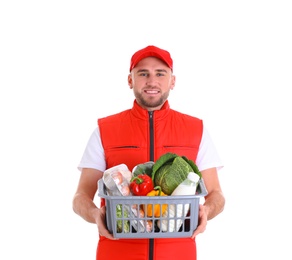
64	63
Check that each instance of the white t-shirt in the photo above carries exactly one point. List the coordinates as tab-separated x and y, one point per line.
93	156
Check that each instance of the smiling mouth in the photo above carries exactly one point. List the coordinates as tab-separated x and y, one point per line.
151	91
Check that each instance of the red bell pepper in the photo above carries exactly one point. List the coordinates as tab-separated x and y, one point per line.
141	185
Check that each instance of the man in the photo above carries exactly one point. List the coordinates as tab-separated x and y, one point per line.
140	134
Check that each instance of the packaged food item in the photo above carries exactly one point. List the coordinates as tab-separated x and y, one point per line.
122	226
187	187
143	168
117	179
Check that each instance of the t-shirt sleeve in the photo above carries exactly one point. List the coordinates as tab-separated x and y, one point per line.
93	156
208	156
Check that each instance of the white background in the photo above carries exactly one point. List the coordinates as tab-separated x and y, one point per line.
63	64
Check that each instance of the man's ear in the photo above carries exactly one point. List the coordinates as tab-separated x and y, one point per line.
172	85
130	81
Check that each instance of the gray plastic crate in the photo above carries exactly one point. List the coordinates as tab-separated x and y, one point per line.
132	225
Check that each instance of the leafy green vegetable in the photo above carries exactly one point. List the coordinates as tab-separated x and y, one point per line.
122	228
143	168
193	165
162	160
170	170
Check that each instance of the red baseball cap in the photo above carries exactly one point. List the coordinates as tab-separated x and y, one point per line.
151	51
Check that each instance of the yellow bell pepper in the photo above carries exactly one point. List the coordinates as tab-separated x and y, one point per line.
151	209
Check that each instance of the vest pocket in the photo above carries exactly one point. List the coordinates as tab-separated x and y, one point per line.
129	155
188	151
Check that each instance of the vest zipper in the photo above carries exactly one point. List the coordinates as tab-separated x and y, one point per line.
151	151
151	135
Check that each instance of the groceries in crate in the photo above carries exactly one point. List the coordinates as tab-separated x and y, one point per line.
144	225
165	177
170	170
143	168
155	209
126	212
117	182
122	226
141	185
117	179
187	187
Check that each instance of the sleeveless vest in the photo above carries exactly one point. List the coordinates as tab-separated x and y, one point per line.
136	136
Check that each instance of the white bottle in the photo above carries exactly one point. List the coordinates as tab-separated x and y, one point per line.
187	187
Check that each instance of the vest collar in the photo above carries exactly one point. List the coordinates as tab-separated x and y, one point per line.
142	113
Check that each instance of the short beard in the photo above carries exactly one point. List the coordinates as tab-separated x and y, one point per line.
151	103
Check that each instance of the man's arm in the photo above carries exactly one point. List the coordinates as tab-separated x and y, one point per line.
83	204
214	200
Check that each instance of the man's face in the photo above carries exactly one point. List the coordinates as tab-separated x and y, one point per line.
151	81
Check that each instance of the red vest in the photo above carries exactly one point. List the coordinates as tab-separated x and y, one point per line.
136	136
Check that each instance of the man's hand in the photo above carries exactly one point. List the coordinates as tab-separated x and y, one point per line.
202	222
101	223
